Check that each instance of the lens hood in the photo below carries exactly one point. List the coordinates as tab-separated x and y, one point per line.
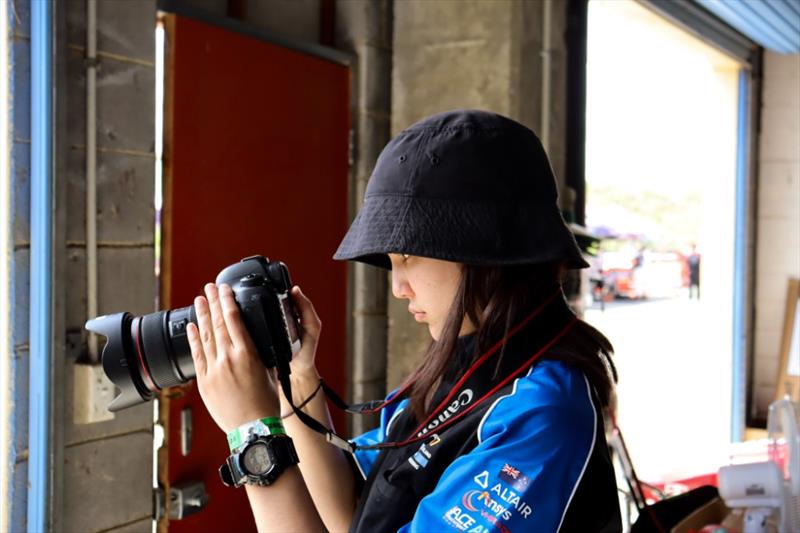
118	360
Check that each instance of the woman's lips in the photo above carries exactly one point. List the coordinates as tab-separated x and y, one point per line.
418	315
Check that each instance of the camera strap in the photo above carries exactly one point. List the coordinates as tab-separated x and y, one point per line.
308	420
438	419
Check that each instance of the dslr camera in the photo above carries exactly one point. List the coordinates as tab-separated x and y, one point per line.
145	354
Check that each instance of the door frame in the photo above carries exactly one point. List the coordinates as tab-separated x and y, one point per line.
709	28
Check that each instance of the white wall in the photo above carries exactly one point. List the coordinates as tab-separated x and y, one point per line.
778	222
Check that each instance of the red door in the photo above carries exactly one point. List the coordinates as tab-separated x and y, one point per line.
255	162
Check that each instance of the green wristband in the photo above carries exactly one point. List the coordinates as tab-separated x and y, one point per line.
264	426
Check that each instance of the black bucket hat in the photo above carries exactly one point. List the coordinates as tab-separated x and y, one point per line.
466	186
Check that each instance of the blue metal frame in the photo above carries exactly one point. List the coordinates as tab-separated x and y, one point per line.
739	366
41	263
774	24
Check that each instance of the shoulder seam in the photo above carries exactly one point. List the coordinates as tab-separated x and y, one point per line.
491	408
358	465
391	420
588	455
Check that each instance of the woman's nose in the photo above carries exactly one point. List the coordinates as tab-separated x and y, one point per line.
400	287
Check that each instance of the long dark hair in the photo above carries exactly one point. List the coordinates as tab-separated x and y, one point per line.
494	298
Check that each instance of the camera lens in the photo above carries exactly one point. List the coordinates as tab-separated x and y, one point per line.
164	346
145	354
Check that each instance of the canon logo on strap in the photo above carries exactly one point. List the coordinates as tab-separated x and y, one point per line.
464	398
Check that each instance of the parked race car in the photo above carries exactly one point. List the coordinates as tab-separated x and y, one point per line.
638	275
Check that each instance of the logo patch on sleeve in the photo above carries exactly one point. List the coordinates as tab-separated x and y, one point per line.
457	518
512	500
482	479
514	477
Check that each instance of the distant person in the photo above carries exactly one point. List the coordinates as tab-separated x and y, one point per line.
638	261
693	262
637	274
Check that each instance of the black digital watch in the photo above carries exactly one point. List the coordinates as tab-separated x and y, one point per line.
259	462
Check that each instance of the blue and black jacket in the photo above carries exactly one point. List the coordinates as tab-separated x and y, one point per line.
532	457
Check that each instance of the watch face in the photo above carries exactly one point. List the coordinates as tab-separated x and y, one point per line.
256	459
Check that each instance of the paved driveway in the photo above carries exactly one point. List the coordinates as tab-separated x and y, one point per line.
674	362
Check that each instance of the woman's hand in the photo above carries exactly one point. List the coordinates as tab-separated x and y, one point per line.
232	380
311	326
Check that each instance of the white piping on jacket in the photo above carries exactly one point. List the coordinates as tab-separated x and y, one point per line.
588	456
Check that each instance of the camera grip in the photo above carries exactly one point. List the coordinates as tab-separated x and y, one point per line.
255	321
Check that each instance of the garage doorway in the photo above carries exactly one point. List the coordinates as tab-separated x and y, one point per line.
661	188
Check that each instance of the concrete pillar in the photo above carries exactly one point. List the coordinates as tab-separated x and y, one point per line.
474	54
364	28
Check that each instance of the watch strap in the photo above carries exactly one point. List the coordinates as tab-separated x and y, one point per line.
284	451
226	475
240	436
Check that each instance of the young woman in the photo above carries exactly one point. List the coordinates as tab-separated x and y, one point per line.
500	428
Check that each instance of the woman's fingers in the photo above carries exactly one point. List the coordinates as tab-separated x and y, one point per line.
205	329
308	316
233	318
223	340
196	346
228	377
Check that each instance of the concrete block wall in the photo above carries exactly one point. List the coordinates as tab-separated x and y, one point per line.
778	240
294	19
106	480
93	490
472	54
14	504
298	20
